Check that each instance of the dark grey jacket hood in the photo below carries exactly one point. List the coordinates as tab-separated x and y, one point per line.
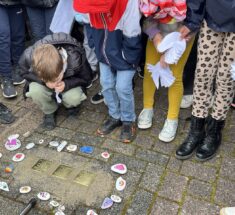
9	2
219	14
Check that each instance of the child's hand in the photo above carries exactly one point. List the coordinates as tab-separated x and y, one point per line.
157	39
60	87
186	33
50	85
162	62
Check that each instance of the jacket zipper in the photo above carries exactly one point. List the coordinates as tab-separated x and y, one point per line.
105	38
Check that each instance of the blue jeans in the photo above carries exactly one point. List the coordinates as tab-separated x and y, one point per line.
118	92
12	36
40	21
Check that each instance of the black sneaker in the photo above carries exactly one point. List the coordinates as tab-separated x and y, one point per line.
6	117
8	89
49	121
128	132
17	79
97	98
109	125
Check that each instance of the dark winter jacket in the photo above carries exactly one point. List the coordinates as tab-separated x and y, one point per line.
115	31
9	2
219	14
40	3
78	72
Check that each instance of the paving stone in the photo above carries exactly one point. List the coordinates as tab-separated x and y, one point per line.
152	157
91	116
61	132
199	171
228	168
200	189
173	186
115	209
145	142
151	177
87	127
164	207
131	163
87	139
126	149
140	203
193	206
166	148
174	164
227	148
71	123
225	192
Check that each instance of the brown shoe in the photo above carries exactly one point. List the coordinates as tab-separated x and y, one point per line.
128	132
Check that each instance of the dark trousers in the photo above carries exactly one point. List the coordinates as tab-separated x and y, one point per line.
40	21
189	70
12	36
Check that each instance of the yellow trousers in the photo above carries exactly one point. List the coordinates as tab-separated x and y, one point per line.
175	92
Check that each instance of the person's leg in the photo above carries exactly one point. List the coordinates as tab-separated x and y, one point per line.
73	97
175	93
37	22
8	90
49	13
209	49
108	83
125	93
149	88
17	25
5	43
224	92
42	96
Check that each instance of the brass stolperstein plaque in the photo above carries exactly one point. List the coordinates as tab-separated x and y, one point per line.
63	172
42	165
85	178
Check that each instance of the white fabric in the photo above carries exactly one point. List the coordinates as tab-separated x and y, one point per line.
129	24
161	76
173	47
64	55
233	70
63	18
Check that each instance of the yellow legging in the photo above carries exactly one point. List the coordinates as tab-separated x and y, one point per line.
175	92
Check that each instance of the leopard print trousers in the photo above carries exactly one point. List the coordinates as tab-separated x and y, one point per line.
216	52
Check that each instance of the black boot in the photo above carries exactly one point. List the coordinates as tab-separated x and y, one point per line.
49	121
109	125
195	137
212	141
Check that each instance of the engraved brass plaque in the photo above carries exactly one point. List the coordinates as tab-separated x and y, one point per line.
63	172
85	178
42	165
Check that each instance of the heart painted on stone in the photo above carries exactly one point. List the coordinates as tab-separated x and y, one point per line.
12	142
107	203
119	168
120	184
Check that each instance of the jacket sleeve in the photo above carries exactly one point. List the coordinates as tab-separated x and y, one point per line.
132	46
82	78
195	14
25	63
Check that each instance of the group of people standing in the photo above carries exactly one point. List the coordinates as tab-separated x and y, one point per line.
58	69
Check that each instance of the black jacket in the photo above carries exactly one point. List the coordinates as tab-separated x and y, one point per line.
9	2
40	3
78	72
219	14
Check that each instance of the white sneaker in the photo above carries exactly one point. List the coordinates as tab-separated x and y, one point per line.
187	101
168	132
145	119
227	211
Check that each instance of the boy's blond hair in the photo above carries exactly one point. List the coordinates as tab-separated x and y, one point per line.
47	62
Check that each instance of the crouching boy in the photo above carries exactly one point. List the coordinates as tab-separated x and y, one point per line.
56	71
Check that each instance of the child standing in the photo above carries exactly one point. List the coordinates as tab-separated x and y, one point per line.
164	17
216	53
56	71
116	33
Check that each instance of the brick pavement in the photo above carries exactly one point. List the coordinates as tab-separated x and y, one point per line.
157	183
